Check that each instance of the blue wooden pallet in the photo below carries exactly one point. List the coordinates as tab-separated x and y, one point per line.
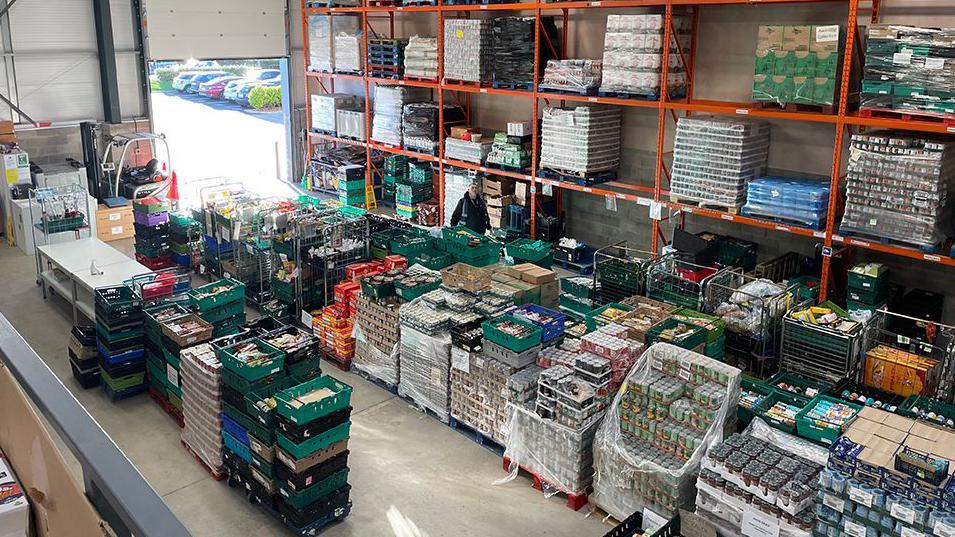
583	92
476	436
589	179
633	96
816	226
518	86
931	249
384	74
387	386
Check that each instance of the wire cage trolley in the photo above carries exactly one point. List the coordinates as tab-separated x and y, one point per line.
680	283
64	214
753	309
251	261
620	272
919	337
342	239
162	286
827	353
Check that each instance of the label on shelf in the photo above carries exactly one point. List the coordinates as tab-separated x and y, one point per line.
595	4
904	340
656	210
483	6
950	129
819	234
401	82
782	228
935	63
117	230
644	201
742	111
400	8
932	257
860	496
756	524
727	217
483	169
548	189
483	90
587	189
611	202
827	33
863	244
853	529
592	99
903	513
830	501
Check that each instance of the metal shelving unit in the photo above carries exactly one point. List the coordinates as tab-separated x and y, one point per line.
643	194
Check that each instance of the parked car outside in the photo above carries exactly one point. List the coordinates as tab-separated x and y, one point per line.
232	88
267	74
242	95
199	79
214	88
181	82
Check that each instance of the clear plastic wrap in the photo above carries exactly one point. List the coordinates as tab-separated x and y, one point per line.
479	393
561	456
375	363
512	55
583	139
897	187
797	64
351	123
199	373
572	75
325	106
348	52
714	158
633	55
424	370
421	57
389	106
801	200
465	150
467	50
910	69
639	467
320	44
419	123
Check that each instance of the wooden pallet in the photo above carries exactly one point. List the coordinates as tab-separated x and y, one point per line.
341	363
424	409
581	92
575	500
907	115
704	204
794	107
476	436
578	178
939	248
217	475
631	96
384	385
816	226
461	83
517	86
413	78
383	3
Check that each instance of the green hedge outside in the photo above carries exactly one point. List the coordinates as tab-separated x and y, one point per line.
265	97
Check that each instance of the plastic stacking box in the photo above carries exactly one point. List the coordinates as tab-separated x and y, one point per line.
120	341
312	427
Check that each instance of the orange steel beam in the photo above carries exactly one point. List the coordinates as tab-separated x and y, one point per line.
661	123
306	171
369	176
441	117
535	135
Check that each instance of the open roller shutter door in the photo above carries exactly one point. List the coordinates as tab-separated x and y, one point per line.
215	29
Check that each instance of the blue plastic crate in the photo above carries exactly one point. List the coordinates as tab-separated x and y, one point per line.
122	357
549	330
241	450
213	245
237	431
182	260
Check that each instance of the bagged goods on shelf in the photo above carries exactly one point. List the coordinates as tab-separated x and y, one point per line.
512	51
638	466
897	188
794	199
421	57
467	50
714	159
909	68
349	57
325	106
581	139
465	150
633	54
389	104
351	123
797	64
572	75
322	30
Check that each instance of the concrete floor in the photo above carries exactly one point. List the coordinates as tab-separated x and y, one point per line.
432	475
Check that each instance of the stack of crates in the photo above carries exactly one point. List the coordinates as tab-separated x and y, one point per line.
417	187
151	222
84	357
396	171
184	238
386	57
350	181
120	341
313	422
202	405
174	341
222	304
158	360
869	287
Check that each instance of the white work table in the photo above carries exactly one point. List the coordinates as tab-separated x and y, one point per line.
65	268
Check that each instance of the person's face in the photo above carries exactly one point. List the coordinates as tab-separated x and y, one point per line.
473	191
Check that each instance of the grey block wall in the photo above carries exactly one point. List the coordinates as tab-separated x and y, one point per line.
50	145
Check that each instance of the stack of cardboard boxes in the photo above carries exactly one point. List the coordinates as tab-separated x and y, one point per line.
797	64
528	284
479	393
378	321
114	223
499	192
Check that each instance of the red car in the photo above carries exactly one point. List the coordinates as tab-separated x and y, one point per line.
214	88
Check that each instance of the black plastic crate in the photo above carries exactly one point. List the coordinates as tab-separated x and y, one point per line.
264	325
86	335
84	363
233	397
293	355
300	433
261	494
87	378
317	510
312	475
123	369
230	340
236	465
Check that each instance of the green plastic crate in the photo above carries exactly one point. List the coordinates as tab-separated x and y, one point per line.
263	414
714	326
116	336
229	326
696	337
409	246
593	316
774	397
432	259
222	313
273	363
411	293
307	369
575	304
532	251
313	493
864	282
149	251
291	407
283	291
266	434
171	358
716	349
122	383
809	429
315	443
745	415
925	406
206	303
238	383
516	344
801	383
569	286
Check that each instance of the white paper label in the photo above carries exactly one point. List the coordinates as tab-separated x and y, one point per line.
742	111
460	359
727	217
436	376
548	189
903	513
652	520
902	58
825	34
853	529
611	202
756	524
656	210
904	340
116	230
644	201
306	319
833	502
935	63
909	532
114	217
860	496
172	374
944	530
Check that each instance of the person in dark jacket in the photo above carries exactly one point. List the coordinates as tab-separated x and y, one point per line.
472	211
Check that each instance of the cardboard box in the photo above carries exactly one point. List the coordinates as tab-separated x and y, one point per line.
765	62
495	211
797	37
521	193
803	90
7	133
900	372
762	88
824	92
827	64
826	38
499	201
769	38
805	64
113	224
518	128
459	132
537	275
111	233
498	186
784	89
784	63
